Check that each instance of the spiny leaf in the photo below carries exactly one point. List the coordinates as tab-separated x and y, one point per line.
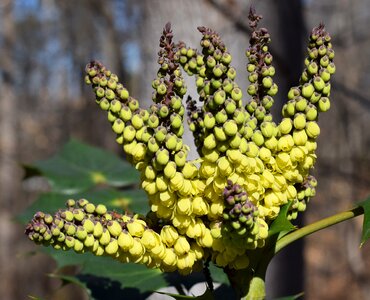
78	167
107	269
66	279
281	223
366	224
218	275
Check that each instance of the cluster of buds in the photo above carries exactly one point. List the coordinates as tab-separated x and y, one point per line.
220	205
82	226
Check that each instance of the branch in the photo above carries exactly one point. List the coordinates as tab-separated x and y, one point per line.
316	226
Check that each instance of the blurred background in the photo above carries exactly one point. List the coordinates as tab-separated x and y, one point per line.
44	47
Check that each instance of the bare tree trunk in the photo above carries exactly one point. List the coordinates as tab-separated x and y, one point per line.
8	173
285	273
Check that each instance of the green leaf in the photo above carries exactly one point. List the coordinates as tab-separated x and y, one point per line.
78	167
366	224
218	274
281	223
107	269
208	295
133	200
67	279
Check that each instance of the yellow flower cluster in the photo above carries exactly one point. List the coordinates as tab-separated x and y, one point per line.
219	206
86	227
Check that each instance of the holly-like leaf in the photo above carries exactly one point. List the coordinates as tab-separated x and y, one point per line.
131	200
218	274
106	269
365	205
78	167
281	223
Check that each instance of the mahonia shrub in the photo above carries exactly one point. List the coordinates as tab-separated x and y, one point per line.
218	207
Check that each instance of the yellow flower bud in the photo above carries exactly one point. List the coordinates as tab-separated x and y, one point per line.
88	225
185	262
207	169
279	183
118	126
177	181
240	262
150	187
125	240
169	235
271	143
283	160
181	246
162	156
129	133
139	152
98	230
221	261
150	239
312	129
161	183
181	221
170	170
291	192
137	250
285	143
267	129
263	229
234	155
198	186
114	228
105	237
100	209
258	138
264	154
267	179
220	133
299	121
186	189
150	173
224	166
311	145
164	212
300	137
78	246
112	247
235	141
184	206
189	170
197	250
206	240
89	241
200	206
135	228
297	154
170	258
309	161
167	198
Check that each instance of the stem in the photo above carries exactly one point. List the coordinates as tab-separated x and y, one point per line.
316	226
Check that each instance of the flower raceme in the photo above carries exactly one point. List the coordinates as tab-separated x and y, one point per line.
219	206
